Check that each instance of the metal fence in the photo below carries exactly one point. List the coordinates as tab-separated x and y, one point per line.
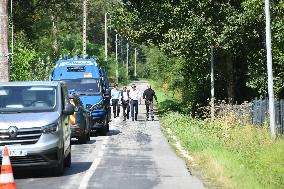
260	113
257	112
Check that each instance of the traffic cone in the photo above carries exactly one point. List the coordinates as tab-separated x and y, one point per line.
6	177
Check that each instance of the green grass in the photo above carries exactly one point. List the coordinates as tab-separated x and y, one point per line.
232	155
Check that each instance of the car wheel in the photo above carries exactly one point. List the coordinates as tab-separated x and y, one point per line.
103	131
89	136
59	170
107	124
68	160
83	138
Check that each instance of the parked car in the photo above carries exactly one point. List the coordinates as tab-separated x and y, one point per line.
90	92
34	124
80	120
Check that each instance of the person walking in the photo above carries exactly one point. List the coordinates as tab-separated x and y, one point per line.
134	96
115	96
125	102
149	95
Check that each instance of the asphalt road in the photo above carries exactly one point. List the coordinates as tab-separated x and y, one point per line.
133	155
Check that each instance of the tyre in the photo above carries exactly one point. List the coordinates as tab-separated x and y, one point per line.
59	169
83	138
89	136
107	124
68	160
103	131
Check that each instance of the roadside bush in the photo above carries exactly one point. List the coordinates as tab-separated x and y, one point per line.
246	153
234	154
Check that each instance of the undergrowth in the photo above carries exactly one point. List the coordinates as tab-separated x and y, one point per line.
235	155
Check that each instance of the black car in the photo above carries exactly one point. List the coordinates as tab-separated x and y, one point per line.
80	120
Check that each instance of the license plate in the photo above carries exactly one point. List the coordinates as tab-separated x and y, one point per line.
13	153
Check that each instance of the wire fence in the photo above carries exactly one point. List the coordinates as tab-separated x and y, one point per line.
257	113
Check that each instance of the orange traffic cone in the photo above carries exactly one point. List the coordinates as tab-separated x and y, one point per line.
6	177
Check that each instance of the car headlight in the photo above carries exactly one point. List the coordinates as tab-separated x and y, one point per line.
50	128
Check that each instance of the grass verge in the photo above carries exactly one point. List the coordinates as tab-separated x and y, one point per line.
233	155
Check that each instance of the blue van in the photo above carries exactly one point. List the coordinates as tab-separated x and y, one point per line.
85	80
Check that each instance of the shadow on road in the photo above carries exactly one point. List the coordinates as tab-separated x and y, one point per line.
76	167
76	142
113	132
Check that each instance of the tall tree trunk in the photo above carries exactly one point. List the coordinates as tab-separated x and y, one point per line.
55	42
230	78
4	52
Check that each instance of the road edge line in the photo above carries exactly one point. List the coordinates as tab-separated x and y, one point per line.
84	182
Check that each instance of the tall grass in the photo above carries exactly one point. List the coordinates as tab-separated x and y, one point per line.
234	154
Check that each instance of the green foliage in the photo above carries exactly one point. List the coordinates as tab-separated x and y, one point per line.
53	28
232	154
231	146
24	54
185	30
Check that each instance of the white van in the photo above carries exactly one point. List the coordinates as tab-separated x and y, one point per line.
34	124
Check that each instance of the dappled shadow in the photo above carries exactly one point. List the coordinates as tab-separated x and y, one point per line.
169	105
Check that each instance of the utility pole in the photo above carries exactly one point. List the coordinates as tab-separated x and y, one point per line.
116	61
121	53
12	36
4	51
127	52
269	71
84	27
106	37
212	84
135	63
54	32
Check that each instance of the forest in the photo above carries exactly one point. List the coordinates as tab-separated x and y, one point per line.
44	31
181	34
174	38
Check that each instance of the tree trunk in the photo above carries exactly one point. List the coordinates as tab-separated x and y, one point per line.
230	78
55	53
4	52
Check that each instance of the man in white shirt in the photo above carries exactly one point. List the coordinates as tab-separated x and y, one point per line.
115	96
125	102
134	96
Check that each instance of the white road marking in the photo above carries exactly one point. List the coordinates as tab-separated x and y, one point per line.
85	181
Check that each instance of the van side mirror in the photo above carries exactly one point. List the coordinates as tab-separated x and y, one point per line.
69	109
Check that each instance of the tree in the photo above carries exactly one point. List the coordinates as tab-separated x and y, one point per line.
4	53
186	30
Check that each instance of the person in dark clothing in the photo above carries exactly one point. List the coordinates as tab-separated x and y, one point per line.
149	95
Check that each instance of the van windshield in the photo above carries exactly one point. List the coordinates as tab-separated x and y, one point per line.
27	98
84	86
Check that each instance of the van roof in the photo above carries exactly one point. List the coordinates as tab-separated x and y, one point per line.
30	83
